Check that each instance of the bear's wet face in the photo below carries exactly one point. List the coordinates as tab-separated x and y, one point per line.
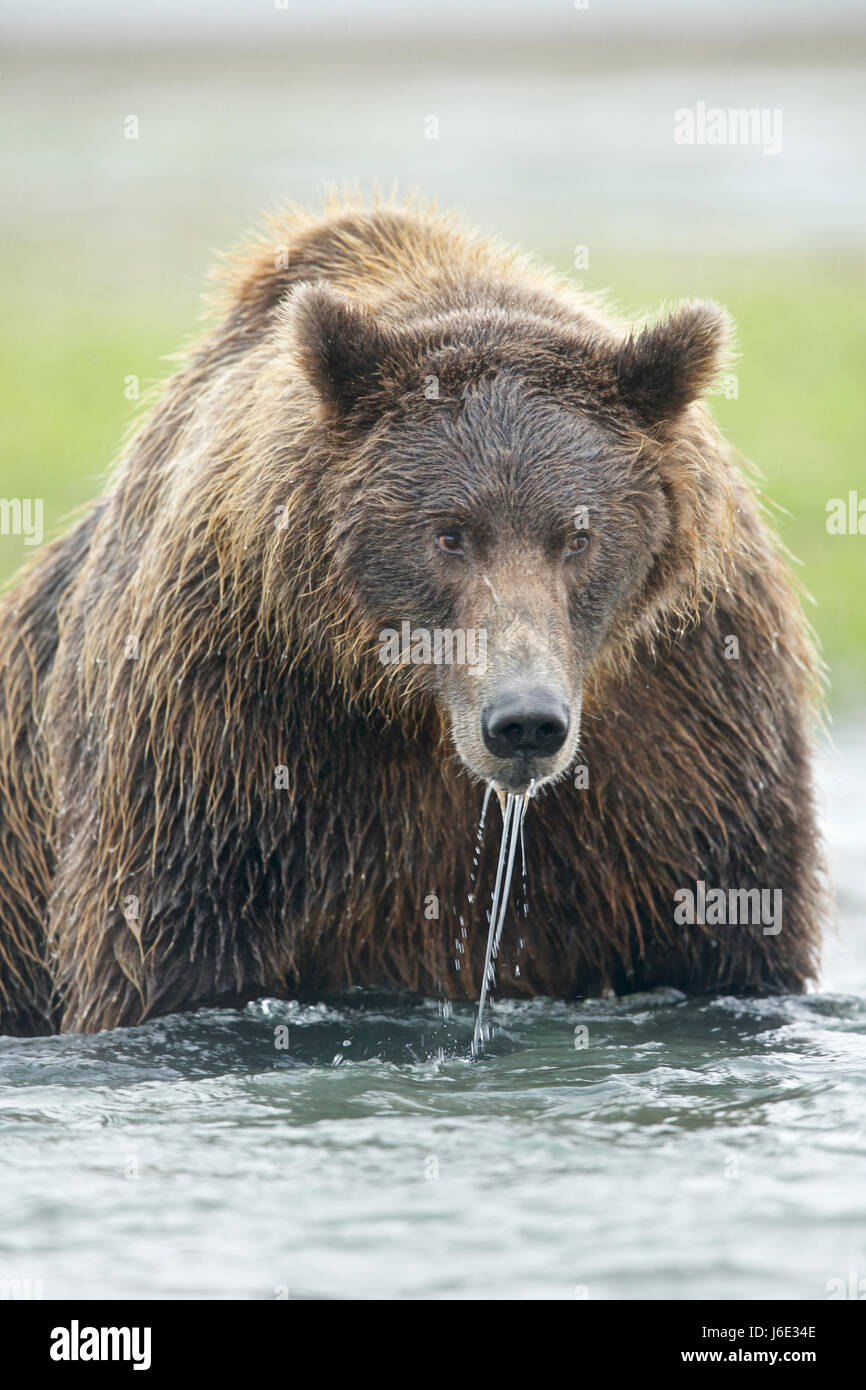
499	544
498	531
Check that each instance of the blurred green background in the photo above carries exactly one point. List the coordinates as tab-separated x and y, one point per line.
550	134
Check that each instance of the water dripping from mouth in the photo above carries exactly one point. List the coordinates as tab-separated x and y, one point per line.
513	814
479	836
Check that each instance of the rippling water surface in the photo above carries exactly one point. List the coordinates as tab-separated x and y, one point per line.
690	1150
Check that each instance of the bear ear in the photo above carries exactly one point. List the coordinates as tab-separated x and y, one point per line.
665	368
340	344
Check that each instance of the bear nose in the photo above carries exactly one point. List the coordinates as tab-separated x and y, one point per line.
531	722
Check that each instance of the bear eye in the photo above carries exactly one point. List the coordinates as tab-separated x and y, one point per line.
449	541
576	545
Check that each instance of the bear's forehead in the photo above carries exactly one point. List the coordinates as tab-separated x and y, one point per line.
507	448
504	426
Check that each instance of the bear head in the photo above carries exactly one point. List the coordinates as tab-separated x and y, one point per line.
517	494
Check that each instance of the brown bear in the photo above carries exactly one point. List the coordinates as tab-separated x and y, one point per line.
218	782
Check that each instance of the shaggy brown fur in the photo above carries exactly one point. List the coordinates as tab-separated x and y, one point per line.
216	616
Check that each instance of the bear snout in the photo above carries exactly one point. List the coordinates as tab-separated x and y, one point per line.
528	723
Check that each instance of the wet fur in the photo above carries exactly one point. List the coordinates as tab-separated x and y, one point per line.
224	545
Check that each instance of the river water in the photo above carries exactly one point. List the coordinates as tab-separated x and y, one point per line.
693	1149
